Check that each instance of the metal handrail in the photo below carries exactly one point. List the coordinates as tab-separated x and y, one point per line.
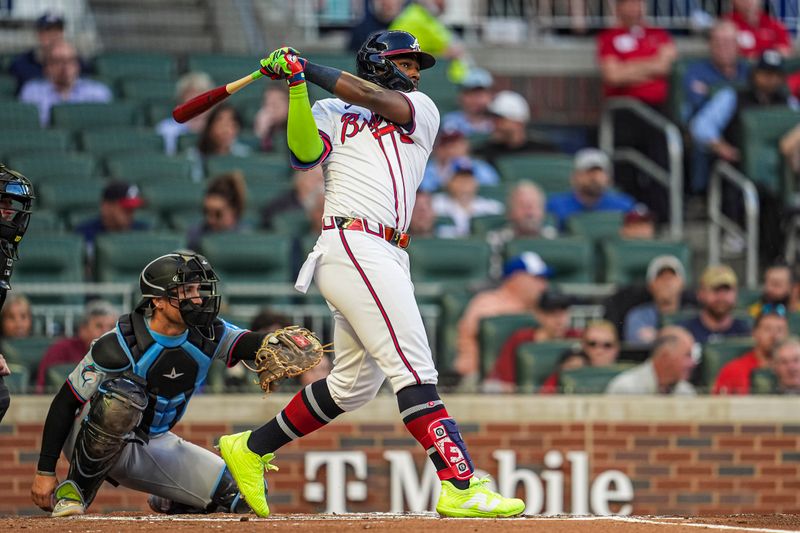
718	221
671	178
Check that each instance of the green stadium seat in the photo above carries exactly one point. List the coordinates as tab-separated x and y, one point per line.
16	115
626	260
56	375
45	221
152	219
761	130
571	258
187	140
151	168
27	352
763	381
156	111
64	197
249	257
224	68
107	141
79	117
8	88
34	140
165	198
50	258
146	90
484	224
255	167
452	305
18	382
121	257
294	223
718	354
676	99
460	262
494	331
247	107
589	380
536	361
58	167
596	225
551	172
261	193
136	65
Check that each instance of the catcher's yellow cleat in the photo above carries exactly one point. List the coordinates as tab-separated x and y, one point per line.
247	468
477	501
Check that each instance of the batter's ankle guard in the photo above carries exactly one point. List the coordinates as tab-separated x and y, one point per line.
450	446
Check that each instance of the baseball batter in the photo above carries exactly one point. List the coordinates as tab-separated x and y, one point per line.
373	141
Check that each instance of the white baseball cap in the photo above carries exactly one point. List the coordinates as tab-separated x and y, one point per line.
510	105
590	158
664	262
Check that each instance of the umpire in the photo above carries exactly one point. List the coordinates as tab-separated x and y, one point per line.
16	196
132	388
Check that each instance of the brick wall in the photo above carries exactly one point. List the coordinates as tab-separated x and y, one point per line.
681	467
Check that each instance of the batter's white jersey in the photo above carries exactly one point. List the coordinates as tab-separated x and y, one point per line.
373	167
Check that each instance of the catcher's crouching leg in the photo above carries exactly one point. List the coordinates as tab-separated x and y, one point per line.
225	499
115	411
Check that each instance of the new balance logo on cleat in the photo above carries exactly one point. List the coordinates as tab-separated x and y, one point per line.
479	502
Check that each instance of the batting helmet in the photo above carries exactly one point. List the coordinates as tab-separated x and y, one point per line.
168	274
16	197
373	62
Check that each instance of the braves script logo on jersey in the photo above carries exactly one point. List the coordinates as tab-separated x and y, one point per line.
354	123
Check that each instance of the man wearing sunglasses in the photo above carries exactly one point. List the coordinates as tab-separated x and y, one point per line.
771	327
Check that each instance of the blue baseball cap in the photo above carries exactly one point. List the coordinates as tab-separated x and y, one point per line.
49	20
529	262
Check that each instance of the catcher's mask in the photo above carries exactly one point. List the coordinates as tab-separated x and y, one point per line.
16	197
373	64
189	282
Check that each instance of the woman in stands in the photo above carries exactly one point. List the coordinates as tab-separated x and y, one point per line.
219	137
223	207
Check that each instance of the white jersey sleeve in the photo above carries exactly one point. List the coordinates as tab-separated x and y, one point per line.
424	119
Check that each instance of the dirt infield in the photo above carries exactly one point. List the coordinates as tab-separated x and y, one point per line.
382	522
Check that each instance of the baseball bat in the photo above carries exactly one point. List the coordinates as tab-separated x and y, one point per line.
208	99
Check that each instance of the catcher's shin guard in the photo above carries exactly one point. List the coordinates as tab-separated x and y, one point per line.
115	410
226	497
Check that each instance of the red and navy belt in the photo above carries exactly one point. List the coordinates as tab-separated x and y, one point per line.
390	235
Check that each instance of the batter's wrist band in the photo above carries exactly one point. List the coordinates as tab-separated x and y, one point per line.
322	76
297	79
43	473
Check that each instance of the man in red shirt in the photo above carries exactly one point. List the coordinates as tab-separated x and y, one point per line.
757	31
99	317
770	328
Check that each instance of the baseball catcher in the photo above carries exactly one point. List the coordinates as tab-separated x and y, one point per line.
134	385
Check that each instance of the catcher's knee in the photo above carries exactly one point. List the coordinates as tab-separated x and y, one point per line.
117	407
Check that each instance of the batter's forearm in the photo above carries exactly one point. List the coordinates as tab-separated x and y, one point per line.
57	427
301	129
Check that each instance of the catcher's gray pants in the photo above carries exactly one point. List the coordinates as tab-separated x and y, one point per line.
166	466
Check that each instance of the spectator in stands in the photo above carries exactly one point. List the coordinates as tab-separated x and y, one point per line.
223	207
189	85
525	279
118	204
757	31
305	184
511	114
638	223
474	97
423	217
770	328
62	83
220	136
29	65
377	16
723	68
786	365
16	319
717	298
778	283
98	317
591	183
461	202
667	369
554	323
272	116
452	146
665	281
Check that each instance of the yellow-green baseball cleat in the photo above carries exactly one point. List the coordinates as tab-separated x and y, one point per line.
477	501
247	468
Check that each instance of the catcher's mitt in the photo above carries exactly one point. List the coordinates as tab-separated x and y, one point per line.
286	353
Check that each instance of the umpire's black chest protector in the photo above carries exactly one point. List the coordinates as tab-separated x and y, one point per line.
172	367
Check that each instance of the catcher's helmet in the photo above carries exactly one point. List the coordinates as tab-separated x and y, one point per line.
373	62
16	196
172	275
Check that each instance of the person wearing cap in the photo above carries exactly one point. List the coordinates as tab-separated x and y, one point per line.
717	298
554	319
757	31
666	277
666	371
770	328
591	182
461	202
62	83
638	223
525	278
474	97
451	146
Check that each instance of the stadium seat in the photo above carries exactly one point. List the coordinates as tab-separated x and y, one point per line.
27	352
761	130
763	381
294	223
260	193
147	90
186	141
718	354
46	222
18	382
551	172
56	375
64	197
460	262
596	225
50	258
165	198
589	380
571	258
224	68
59	167
104	142
136	65
676	99
8	88
156	111
626	260
255	168
482	225
494	331
536	361
249	257
17	115
34	140
121	257
151	219
79	117
151	168
452	305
